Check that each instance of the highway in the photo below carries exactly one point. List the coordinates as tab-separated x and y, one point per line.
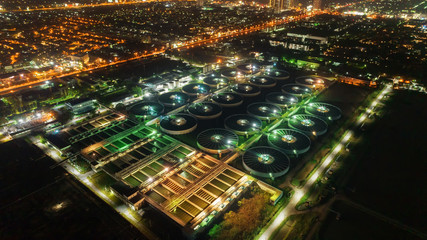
78	6
276	224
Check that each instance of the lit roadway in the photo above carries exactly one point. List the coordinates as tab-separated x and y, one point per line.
183	46
77	6
299	193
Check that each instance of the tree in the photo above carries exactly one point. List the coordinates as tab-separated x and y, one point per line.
43	140
213	232
137	90
241	224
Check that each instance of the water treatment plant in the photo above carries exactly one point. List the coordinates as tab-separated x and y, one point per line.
216	120
191	152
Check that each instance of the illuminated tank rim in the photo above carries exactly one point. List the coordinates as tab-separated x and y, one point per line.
147	109
266	162
248	68
169	99
289	141
206	110
177	124
325	111
227	99
308	124
296	89
262	81
281	99
243	124
277	74
214	81
193	89
245	89
217	140
230	73
311	81
264	110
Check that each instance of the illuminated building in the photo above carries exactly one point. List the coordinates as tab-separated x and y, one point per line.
317	4
82	105
279	5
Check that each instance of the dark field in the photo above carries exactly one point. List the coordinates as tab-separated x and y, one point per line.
42	203
354	224
392	174
389	175
347	97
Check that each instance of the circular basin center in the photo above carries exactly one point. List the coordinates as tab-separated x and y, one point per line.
265	158
217	138
288	138
307	122
243	122
179	121
323	109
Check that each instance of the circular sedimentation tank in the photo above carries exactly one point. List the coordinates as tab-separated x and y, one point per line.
246	90
296	90
196	89
264	110
232	74
281	99
227	99
289	141
178	124
308	124
205	110
325	111
146	110
277	74
263	82
248	68
243	124
266	162
174	99
311	81
217	140
264	65
215	81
